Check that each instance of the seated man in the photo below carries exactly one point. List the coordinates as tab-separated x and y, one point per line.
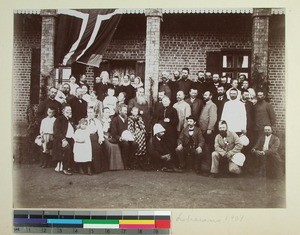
190	145
227	146
159	150
128	147
266	152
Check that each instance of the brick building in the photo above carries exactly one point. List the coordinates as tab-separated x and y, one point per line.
149	41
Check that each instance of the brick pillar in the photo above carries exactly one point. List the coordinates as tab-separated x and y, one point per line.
152	53
260	43
47	51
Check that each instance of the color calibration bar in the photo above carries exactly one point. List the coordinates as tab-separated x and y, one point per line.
92	222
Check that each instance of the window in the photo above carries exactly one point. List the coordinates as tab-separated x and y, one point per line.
229	63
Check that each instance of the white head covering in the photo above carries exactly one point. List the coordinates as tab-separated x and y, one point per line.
158	128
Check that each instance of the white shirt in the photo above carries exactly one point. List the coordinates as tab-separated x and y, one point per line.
183	110
266	143
95	126
70	131
234	113
47	125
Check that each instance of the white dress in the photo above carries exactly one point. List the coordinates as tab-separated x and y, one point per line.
82	151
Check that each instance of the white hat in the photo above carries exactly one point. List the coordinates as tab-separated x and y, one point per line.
238	159
126	135
244	140
158	128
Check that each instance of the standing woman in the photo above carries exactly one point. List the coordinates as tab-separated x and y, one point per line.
111	158
95	104
97	138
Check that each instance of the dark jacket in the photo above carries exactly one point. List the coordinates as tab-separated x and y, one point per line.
196	106
273	144
171	131
184	85
263	115
79	109
59	133
129	90
117	126
197	137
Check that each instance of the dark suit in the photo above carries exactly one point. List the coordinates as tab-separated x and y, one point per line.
184	85
79	109
129	90
61	154
128	148
188	156
196	106
157	148
220	106
269	163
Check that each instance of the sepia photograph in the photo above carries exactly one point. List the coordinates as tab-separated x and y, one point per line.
132	108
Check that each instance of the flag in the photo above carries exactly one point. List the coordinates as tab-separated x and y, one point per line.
83	35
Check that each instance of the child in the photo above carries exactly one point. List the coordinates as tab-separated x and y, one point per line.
83	147
110	101
46	131
137	128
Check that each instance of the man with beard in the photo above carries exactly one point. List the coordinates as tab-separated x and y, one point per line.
249	111
164	84
220	100
190	146
101	88
158	107
208	82
234	85
227	147
266	153
174	86
66	90
195	103
115	85
224	83
207	120
83	81
234	113
183	110
79	106
63	132
127	88
160	153
216	83
119	124
141	103
184	84
197	85
263	114
49	102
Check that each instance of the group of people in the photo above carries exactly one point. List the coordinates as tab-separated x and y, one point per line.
109	127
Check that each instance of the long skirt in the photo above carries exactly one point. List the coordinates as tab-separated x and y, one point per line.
114	156
96	153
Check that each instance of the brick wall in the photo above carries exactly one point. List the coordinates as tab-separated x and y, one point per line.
277	79
188	49
26	37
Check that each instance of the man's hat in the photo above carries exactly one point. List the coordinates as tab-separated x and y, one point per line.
191	117
157	128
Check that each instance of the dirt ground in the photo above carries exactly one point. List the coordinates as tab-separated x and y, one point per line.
35	187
